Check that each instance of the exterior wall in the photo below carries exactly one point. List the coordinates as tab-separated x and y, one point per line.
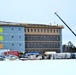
36	37
41	39
48	31
61	41
13	38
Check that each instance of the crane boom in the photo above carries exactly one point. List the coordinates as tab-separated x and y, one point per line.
65	23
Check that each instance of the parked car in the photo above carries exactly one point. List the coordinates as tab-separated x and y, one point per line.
72	56
2	57
39	57
11	57
32	57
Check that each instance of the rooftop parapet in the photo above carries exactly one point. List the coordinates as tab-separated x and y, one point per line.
4	23
43	25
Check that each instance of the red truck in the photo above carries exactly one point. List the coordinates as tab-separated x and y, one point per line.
12	52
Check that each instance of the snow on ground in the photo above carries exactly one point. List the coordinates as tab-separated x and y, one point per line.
38	67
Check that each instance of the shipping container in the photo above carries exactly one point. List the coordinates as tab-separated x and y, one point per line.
13	52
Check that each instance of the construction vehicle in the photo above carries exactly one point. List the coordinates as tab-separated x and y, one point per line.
65	23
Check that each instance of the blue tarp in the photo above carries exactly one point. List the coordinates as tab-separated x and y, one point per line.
32	53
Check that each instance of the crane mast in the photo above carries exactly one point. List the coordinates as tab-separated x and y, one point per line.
65	23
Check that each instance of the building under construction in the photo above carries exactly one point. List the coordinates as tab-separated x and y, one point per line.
12	36
30	37
42	38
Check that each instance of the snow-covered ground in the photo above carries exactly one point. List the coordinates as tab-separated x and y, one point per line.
38	67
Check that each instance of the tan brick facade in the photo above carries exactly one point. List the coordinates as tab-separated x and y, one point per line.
41	38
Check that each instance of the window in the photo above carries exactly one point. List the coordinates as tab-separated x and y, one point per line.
25	30
28	30
28	45
54	31
54	38
19	44
54	45
50	30
34	37
57	38
47	30
28	36
31	45
31	30
38	37
12	44
48	45
19	36
57	45
12	28
38	30
48	38
12	36
44	30
45	45
51	44
31	37
51	37
34	30
57	31
34	44
38	45
19	28
41	45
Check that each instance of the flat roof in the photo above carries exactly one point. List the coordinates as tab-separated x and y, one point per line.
4	23
28	25
42	26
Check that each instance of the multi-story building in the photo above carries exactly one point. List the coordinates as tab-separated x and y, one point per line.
30	37
12	36
42	38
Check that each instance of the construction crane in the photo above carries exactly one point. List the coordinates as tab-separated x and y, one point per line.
65	23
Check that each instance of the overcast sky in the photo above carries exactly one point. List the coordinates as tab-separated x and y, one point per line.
41	12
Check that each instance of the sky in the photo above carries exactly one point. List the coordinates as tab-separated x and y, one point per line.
38	67
41	12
